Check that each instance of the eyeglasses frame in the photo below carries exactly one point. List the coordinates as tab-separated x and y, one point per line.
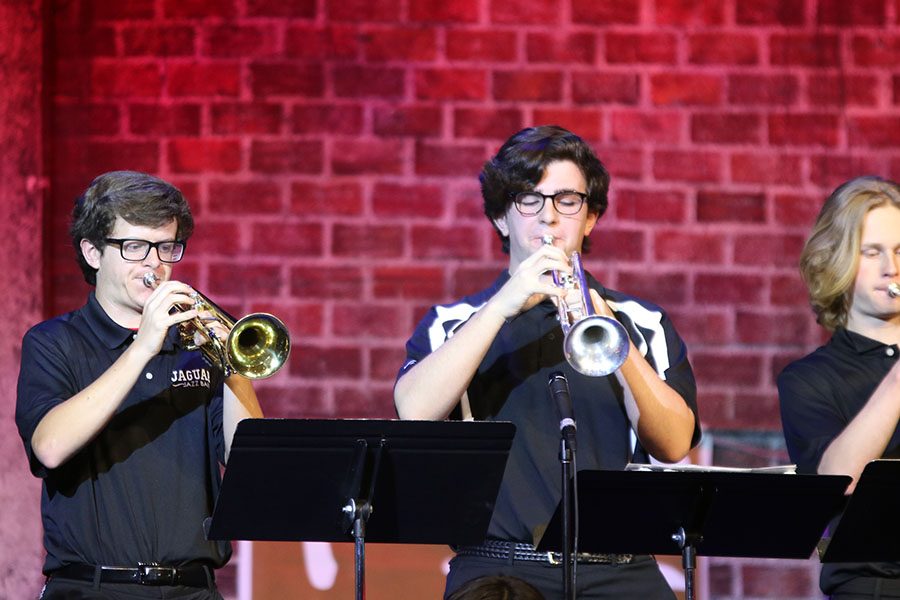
544	197
120	242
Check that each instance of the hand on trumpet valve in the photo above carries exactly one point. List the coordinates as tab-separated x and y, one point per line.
213	329
529	283
180	297
160	311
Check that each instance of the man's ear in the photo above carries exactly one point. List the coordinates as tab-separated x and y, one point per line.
592	219
91	253
500	224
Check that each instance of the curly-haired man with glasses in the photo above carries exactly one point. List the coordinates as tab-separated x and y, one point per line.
489	355
126	428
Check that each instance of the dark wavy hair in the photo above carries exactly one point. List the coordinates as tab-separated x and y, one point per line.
138	198
496	587
520	165
830	258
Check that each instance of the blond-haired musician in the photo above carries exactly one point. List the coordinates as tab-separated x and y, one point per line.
840	405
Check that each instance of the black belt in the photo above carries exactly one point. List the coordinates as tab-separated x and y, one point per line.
503	550
143	574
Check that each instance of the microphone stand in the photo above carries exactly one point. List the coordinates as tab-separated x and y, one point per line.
565	458
559	389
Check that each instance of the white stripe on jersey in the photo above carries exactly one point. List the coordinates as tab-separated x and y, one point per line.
438	332
648	319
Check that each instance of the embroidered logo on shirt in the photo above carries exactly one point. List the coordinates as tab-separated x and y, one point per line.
190	378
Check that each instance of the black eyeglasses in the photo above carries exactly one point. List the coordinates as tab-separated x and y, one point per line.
168	252
566	202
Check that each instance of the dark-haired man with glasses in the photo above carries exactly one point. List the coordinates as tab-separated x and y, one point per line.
489	357
125	427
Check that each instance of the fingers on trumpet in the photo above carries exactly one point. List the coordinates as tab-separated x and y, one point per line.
256	346
594	344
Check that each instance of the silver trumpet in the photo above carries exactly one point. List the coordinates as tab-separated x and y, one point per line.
893	290
257	345
593	344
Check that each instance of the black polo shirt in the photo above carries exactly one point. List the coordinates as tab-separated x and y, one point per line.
511	385
820	394
140	490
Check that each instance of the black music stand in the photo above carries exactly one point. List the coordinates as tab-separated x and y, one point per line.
416	482
869	528
709	513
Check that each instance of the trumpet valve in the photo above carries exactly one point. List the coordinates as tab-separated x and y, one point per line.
566	281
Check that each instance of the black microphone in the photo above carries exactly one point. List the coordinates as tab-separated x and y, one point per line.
559	389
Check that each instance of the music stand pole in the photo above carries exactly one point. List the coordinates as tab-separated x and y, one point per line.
358	507
558	387
688	535
687	542
360	514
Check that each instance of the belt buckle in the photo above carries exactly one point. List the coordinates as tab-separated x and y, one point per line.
156	574
554	558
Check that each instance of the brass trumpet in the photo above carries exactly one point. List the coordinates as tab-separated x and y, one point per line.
593	344
257	345
893	290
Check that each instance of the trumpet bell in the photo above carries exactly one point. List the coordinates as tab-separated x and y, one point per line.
258	346
596	346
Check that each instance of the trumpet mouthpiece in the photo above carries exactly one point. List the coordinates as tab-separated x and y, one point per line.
893	290
150	280
547	239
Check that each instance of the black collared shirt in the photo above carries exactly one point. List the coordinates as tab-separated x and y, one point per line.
820	394
140	490
511	385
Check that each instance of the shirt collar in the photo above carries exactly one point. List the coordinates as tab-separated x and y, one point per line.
857	342
111	334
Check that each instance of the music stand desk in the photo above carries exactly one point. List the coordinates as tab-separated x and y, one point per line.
711	513
349	480
869	528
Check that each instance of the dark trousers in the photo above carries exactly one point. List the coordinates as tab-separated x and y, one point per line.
58	588
867	588
639	579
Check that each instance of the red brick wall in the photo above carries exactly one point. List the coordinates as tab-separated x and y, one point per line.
21	210
331	147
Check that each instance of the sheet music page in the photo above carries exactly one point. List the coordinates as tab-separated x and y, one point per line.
687	468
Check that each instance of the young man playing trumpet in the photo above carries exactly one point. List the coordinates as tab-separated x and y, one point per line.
125	427
489	357
840	405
